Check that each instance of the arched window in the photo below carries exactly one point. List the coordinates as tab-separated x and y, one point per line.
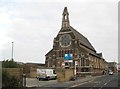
65	17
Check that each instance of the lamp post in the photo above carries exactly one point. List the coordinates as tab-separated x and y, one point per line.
12	50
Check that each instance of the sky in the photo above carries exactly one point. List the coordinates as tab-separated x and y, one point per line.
33	24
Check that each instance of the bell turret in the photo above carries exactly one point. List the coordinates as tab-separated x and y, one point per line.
65	18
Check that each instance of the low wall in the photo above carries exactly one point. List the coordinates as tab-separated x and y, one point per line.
68	74
64	74
60	75
33	72
17	72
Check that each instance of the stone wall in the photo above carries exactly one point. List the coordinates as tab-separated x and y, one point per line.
64	74
68	74
17	72
33	72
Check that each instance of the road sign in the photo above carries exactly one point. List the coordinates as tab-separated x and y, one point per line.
63	64
76	63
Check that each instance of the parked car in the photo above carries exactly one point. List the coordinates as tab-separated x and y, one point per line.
110	72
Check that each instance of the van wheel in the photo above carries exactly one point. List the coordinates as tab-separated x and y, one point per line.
48	79
55	77
40	79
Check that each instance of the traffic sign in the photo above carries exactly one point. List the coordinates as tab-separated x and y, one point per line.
76	63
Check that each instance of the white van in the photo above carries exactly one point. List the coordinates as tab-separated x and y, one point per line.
110	72
47	74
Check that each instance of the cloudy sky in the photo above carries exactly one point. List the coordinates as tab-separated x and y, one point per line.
32	25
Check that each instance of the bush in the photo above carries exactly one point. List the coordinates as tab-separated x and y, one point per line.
9	64
8	80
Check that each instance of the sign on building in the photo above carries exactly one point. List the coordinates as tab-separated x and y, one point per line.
68	56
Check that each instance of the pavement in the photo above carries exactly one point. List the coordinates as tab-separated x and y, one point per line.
33	82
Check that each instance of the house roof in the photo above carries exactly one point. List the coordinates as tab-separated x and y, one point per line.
99	54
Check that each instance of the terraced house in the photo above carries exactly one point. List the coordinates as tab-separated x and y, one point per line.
70	41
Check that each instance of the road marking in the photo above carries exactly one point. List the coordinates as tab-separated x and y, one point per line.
91	81
97	82
105	84
86	82
81	84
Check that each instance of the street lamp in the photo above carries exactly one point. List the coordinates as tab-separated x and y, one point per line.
12	50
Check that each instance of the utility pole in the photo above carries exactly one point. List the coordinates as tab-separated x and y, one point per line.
12	50
75	63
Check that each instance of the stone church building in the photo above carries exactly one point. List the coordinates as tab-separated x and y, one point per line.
70	41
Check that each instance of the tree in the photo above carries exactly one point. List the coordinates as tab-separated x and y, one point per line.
9	64
8	80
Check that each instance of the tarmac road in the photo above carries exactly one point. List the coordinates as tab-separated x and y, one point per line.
110	81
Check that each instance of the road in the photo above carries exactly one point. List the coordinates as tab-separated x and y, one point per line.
100	82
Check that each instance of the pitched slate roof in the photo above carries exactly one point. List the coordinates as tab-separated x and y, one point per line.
83	40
